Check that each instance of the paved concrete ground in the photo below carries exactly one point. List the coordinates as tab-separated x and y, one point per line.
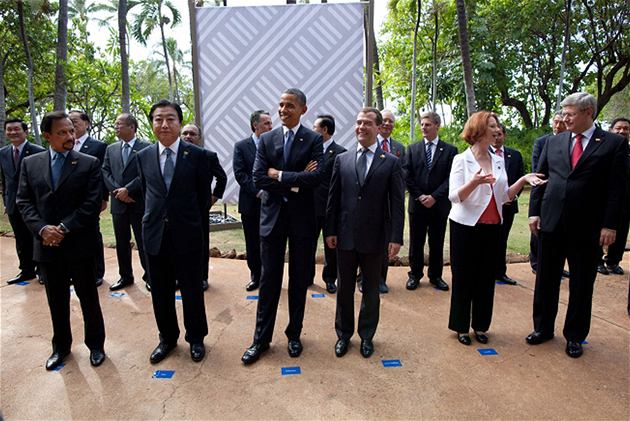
438	379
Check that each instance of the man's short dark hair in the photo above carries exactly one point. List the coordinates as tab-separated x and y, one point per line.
612	123
16	120
297	93
82	114
130	120
328	121
50	118
379	116
254	118
166	103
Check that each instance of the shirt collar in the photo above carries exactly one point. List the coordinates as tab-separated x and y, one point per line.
130	143
587	134
328	143
174	147
20	147
433	142
371	148
54	152
295	129
82	138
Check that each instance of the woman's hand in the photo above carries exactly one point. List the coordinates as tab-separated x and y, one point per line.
479	179
535	179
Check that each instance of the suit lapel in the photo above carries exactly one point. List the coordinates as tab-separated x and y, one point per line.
594	143
439	147
182	154
68	167
278	144
377	161
158	170
132	154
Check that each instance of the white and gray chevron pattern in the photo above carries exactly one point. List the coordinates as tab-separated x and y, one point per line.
249	55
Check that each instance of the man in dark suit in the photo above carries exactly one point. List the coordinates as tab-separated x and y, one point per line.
249	195
515	169
557	126
174	179
192	134
364	217
120	173
287	169
86	144
60	198
575	213
427	166
11	157
325	125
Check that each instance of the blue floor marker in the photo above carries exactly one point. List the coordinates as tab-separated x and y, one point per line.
163	374
487	351
22	283
178	297
391	363
584	342
118	294
291	371
59	367
252	297
318	295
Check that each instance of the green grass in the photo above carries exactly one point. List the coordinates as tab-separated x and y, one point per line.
233	239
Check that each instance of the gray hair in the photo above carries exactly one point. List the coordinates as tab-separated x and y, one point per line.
581	100
434	117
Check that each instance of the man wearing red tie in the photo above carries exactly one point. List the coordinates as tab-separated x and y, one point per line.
575	213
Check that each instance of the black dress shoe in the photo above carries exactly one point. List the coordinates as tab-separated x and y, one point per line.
341	347
197	352
97	356
295	348
161	352
120	284
506	280
40	280
481	337
253	353
566	274
204	284
412	284
382	288
367	348
536	338
22	277
331	287
252	286
464	339
615	270
360	285
602	269
99	282
574	349
148	286
55	359
439	283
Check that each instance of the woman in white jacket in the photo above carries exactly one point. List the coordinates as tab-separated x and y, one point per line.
478	188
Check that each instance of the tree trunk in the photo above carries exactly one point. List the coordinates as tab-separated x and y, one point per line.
412	112
565	47
168	66
3	100
462	22
380	104
124	59
61	91
29	65
436	33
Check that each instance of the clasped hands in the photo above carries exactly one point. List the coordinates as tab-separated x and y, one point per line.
122	194
392	249
52	235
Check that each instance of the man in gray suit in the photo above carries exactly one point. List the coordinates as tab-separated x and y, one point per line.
120	173
365	216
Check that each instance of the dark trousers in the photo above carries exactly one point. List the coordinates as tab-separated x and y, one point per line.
166	267
205	251
533	251
272	249
251	229
329	272
581	249
422	223
56	276
370	265
123	224
23	243
100	255
501	265
473	251
616	249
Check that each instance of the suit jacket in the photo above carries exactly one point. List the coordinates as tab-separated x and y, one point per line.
515	169
97	149
243	166
117	175
307	146
321	192
367	217
395	148
183	207
588	197
537	150
75	202
421	180
10	176
216	172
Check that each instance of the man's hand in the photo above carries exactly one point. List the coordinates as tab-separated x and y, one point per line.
103	205
534	224
52	235
331	242
273	173
312	166
427	200
213	200
607	237
121	194
393	249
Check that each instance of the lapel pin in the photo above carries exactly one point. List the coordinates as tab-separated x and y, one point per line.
382	156
509	156
597	139
185	153
441	149
74	162
300	139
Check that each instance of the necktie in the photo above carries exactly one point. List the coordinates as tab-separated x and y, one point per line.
362	165
498	152
125	153
16	158
169	168
57	164
385	145
429	154
287	146
577	150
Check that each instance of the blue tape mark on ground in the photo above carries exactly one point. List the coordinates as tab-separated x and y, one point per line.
178	297
252	297
585	342
59	367
118	294
318	295
391	363
22	283
163	374
291	371
487	351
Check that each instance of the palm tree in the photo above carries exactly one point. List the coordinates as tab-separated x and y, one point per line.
462	24
177	56
29	67
414	65
61	91
152	17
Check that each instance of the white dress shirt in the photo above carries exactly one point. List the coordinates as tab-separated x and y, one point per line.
369	157
174	147
79	142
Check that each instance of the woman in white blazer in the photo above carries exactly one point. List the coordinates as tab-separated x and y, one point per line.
478	188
